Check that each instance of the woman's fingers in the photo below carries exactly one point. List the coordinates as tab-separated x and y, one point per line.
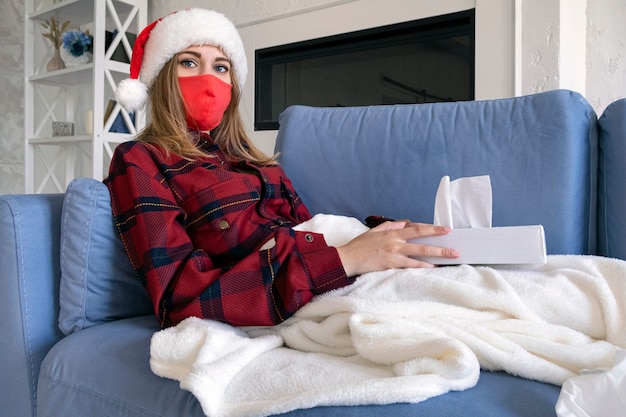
386	246
420	250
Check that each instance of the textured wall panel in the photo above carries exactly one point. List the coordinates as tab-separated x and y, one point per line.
12	102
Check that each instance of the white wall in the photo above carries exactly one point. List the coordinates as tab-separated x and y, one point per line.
606	52
574	44
547	44
553	45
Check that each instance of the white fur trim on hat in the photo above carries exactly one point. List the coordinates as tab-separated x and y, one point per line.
170	35
132	94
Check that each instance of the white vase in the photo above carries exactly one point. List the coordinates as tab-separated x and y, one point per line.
73	61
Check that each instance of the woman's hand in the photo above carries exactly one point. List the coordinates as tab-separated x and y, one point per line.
386	247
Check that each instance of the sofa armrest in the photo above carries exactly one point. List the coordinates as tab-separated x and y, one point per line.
29	283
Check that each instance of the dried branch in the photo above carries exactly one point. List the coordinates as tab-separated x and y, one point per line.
54	31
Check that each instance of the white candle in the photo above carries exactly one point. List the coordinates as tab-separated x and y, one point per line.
89	122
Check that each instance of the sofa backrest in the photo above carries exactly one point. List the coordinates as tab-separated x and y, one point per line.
539	150
612	181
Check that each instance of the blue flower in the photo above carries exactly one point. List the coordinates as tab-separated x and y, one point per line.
76	42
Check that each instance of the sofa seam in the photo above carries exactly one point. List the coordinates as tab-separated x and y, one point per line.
24	288
82	320
88	227
593	139
603	246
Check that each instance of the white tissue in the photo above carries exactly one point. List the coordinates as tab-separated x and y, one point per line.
595	394
464	202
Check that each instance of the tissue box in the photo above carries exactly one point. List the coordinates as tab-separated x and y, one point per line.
491	245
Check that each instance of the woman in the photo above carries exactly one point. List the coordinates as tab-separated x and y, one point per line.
205	217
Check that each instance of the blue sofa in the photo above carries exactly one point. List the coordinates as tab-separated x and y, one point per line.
77	327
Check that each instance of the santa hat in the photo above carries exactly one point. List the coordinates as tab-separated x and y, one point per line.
162	39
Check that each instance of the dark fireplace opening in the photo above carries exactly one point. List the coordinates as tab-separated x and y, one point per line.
422	61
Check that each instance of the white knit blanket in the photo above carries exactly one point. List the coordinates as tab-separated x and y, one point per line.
405	336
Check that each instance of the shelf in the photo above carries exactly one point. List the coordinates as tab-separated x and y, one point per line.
72	10
59	140
78	93
110	137
75	11
81	74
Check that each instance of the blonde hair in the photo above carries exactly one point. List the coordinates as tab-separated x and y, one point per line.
168	128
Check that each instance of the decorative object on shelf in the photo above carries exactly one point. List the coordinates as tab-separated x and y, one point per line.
119	124
89	122
77	47
55	62
119	54
62	129
53	32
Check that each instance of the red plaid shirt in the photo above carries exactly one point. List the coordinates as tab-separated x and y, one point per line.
194	232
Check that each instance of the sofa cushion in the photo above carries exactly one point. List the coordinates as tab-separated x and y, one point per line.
98	283
106	371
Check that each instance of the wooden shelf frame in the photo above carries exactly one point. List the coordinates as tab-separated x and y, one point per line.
52	161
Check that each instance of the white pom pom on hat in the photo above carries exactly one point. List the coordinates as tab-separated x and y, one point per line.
132	94
165	37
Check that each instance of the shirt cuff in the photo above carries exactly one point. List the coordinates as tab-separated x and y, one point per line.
322	263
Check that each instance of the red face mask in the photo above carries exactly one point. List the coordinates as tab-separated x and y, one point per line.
206	98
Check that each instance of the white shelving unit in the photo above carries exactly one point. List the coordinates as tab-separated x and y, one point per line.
78	94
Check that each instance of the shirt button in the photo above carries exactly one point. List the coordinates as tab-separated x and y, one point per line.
308	237
224	224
